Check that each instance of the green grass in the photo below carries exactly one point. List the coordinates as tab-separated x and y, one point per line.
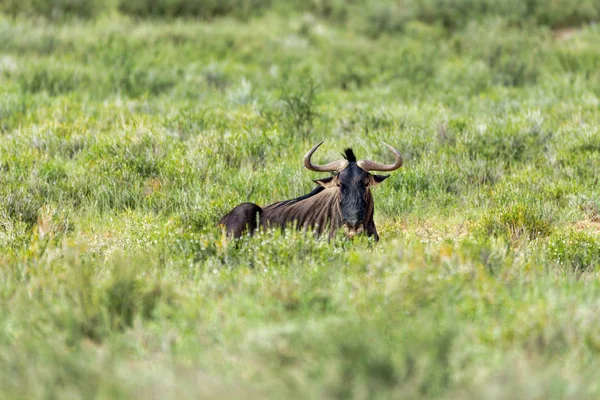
123	141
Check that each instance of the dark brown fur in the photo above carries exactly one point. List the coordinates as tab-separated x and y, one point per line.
243	218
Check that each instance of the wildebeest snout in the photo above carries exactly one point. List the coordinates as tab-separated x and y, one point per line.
354	227
352	223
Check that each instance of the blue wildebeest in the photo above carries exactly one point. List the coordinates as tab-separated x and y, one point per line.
343	200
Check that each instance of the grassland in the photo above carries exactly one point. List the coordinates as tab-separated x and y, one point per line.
123	141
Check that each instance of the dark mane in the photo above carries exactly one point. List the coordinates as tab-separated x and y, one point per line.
315	191
349	155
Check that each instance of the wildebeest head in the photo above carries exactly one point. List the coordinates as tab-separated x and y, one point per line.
352	180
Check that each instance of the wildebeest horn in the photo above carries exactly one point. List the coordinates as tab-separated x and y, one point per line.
369	165
334	166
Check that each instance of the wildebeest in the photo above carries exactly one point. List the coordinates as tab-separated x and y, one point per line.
343	200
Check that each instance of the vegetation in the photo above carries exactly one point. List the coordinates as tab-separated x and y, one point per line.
123	139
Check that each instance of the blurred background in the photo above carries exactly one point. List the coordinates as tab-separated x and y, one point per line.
373	16
129	128
411	48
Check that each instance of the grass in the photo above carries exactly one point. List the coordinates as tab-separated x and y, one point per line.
123	141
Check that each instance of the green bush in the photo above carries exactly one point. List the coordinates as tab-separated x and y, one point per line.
516	222
53	78
393	17
205	9
57	9
300	107
578	250
564	13
514	56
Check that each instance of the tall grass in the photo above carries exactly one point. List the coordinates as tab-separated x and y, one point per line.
124	140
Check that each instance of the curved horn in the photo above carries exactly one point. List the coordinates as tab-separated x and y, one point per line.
369	165
333	166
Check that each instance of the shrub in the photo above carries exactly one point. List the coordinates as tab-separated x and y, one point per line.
514	57
13	109
392	16
56	9
300	107
517	221
52	77
578	250
205	9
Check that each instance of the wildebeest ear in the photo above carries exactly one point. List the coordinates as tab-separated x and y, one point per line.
377	179
325	182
